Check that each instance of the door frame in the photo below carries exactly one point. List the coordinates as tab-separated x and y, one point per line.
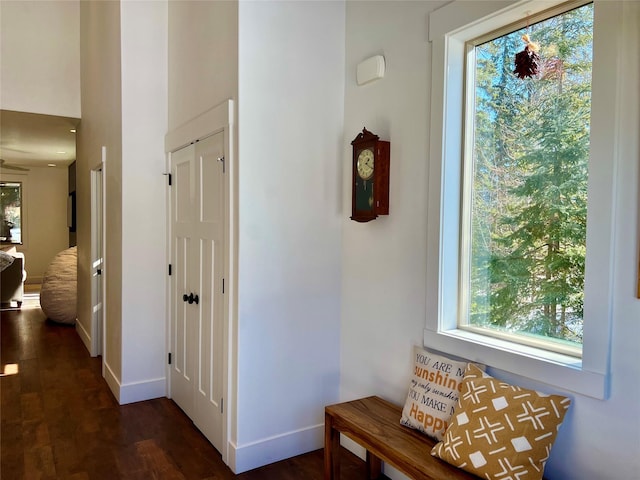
218	119
98	241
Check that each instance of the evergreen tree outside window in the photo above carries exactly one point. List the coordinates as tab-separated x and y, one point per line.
11	211
525	191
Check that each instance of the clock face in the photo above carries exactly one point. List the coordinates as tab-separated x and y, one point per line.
365	164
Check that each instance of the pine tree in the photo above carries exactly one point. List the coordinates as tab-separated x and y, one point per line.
530	179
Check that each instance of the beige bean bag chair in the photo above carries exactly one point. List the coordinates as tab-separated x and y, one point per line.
58	294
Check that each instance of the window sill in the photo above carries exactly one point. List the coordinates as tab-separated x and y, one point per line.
555	369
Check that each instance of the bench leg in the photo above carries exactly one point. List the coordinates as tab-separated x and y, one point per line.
331	450
374	466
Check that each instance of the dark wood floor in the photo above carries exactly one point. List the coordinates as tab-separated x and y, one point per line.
59	420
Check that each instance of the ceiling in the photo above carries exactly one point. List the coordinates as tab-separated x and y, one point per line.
36	140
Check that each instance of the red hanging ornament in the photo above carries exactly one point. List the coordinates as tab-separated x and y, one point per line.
527	62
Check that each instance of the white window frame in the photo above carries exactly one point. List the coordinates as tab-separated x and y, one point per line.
23	179
449	28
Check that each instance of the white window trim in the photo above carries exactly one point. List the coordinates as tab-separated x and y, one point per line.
449	28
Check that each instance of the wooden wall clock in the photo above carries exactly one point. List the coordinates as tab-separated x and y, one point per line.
370	181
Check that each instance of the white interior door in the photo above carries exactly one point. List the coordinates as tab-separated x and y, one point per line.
197	285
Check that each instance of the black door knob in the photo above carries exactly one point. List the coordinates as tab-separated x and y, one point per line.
191	298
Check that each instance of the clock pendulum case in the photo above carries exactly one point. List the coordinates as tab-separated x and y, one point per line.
370	180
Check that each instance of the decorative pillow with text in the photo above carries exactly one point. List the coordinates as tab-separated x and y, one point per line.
433	392
501	431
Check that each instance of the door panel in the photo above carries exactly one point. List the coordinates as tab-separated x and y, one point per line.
210	225
198	258
183	334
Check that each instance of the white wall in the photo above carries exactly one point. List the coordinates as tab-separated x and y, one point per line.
101	125
203	57
144	267
384	261
291	62
44	230
124	100
383	311
37	74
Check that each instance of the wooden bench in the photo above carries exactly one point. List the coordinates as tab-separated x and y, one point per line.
374	424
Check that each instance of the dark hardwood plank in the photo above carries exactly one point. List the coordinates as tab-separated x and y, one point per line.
59	420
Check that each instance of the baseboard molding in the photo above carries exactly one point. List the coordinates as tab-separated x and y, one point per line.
84	336
111	379
353	447
276	448
361	452
137	391
33	280
145	390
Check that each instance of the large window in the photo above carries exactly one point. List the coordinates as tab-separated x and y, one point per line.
522	183
525	191
11	212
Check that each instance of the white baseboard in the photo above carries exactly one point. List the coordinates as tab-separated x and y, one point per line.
137	391
276	448
84	335
359	451
353	447
111	379
145	390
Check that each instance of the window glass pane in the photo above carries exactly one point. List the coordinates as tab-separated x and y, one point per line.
11	210
528	209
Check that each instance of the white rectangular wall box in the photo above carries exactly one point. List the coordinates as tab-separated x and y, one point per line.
370	69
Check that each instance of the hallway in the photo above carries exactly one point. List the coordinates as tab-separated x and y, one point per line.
59	419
